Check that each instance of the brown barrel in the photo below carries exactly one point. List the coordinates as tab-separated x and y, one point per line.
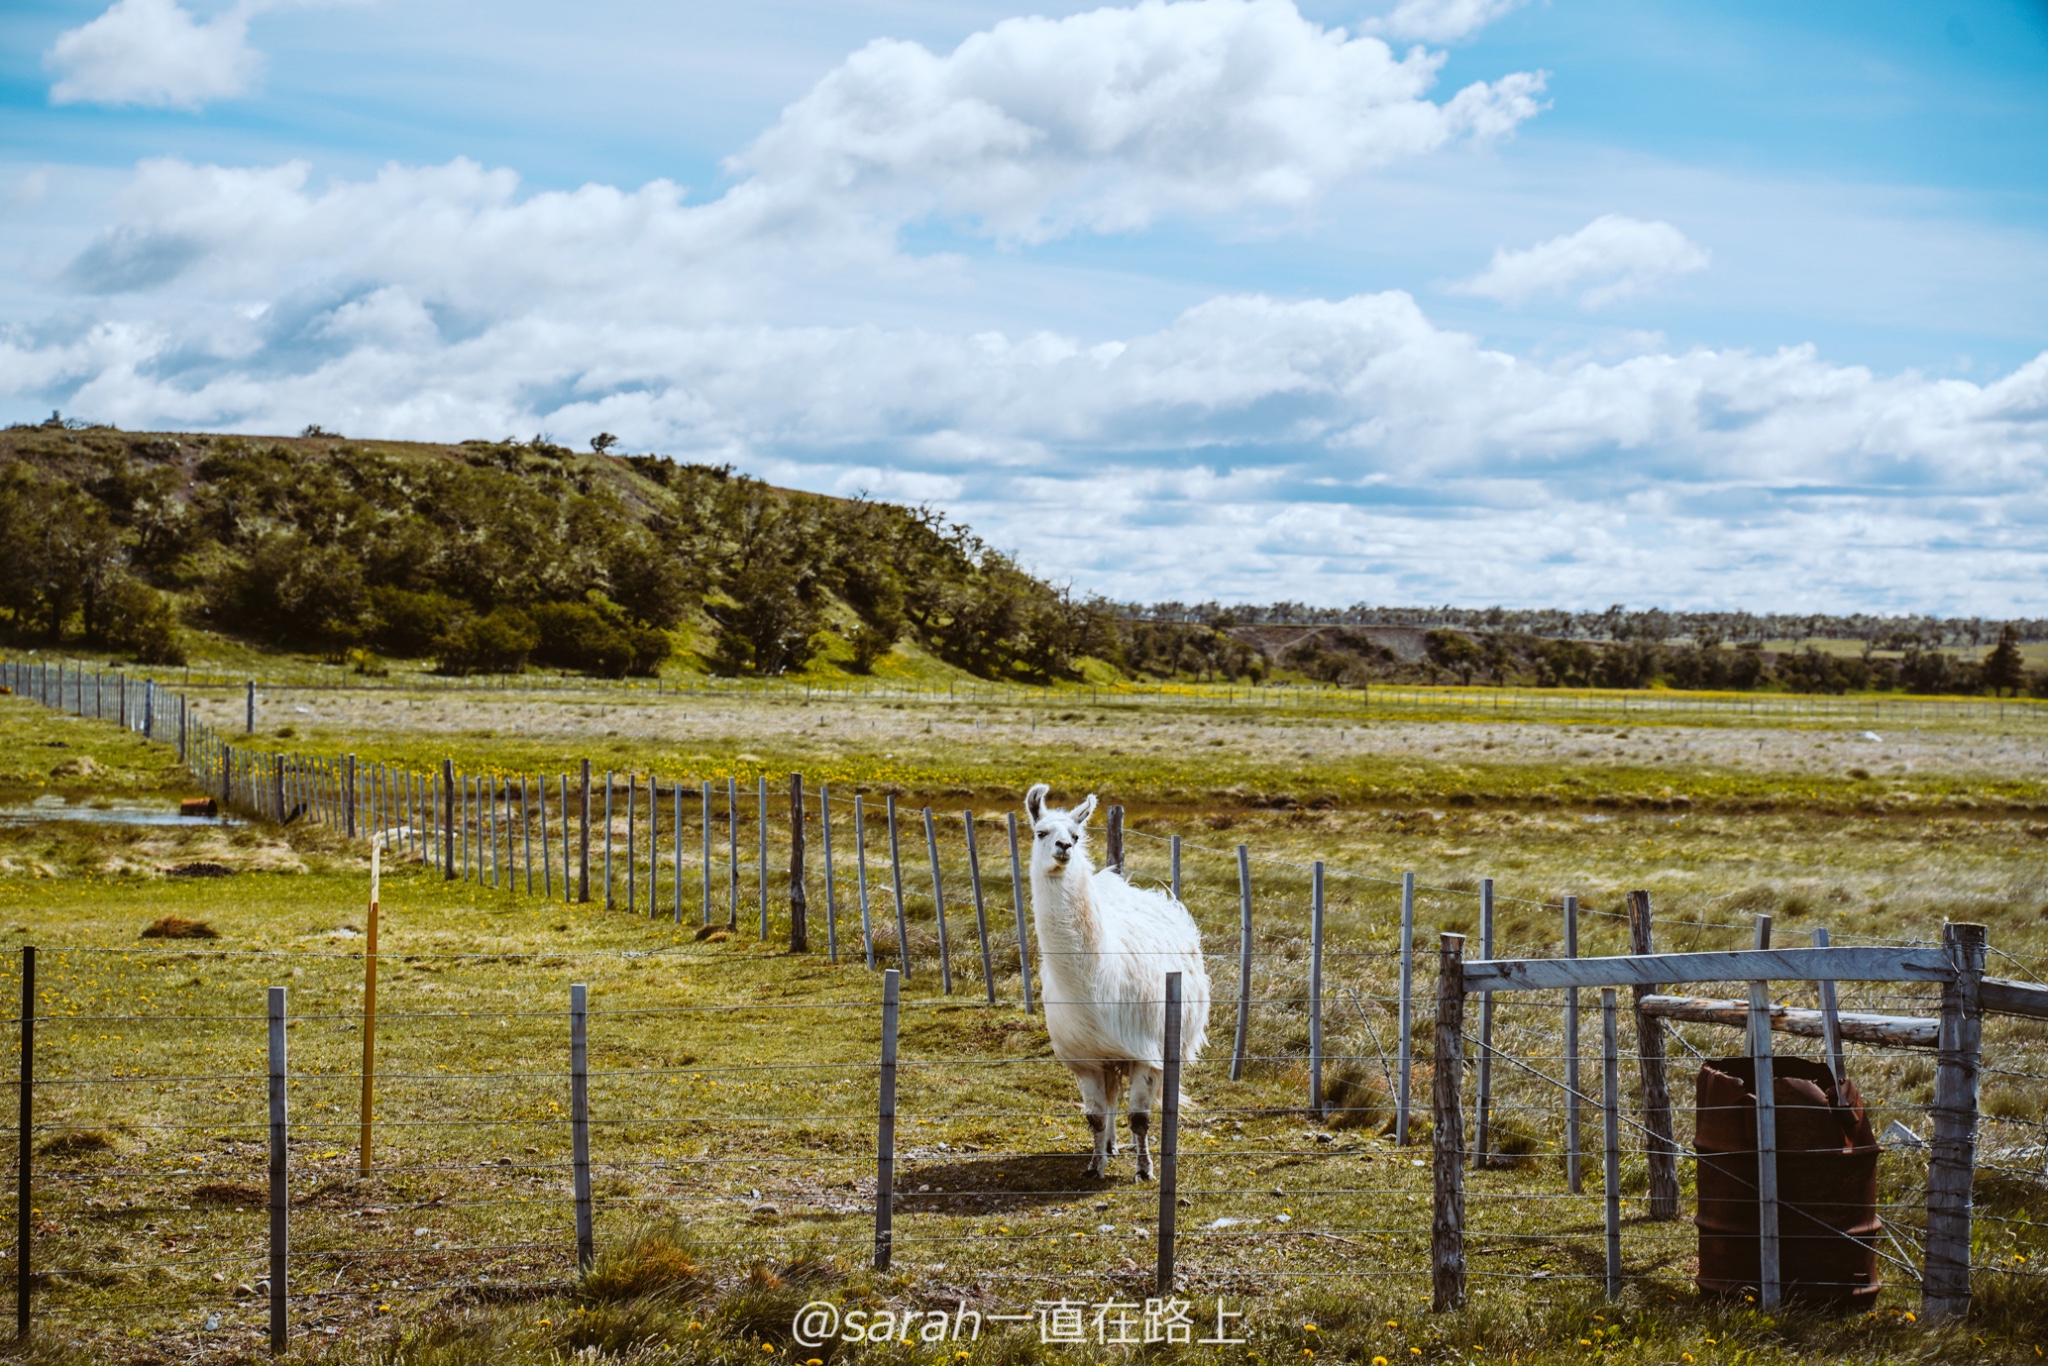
1827	1184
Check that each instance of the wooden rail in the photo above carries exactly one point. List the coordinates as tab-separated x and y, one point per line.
1897	1031
1742	965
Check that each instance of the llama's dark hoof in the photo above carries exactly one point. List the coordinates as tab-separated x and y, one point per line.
1144	1173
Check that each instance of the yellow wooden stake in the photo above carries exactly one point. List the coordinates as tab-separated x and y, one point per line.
370	1009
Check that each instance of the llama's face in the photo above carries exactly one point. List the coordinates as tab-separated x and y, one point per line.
1055	833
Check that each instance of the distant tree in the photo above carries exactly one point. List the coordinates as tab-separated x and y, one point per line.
1454	650
603	442
2004	668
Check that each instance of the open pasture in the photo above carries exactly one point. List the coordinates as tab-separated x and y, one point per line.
732	1085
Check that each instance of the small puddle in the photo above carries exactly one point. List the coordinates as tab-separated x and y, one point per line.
98	811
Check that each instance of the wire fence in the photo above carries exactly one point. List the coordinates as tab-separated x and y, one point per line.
757	1123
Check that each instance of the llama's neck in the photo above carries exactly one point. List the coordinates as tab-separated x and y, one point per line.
1066	914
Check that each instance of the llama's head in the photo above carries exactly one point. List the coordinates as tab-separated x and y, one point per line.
1057	836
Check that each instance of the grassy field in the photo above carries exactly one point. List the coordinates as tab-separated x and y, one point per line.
733	1083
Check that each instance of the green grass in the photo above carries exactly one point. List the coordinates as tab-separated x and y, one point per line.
732	1076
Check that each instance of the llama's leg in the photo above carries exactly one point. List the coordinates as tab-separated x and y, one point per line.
1145	1089
1100	1105
1114	1074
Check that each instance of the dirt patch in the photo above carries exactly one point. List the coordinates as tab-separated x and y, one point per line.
199	869
231	1195
178	927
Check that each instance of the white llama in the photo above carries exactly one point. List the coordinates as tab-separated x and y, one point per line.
1105	948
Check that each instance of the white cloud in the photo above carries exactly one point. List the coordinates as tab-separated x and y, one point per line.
154	53
1609	259
1438	21
1108	119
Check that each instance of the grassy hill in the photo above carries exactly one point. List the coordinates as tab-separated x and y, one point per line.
492	556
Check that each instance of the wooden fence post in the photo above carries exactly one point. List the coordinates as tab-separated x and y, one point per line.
1573	1146
568	873
1447	1139
761	829
249	717
579	1122
348	798
799	901
1017	903
1831	1018
1404	1045
885	1128
583	840
280	1193
1169	1134
732	852
1315	991
860	878
1662	1150
1482	1110
706	798
1116	840
931	845
632	843
1945	1276
831	892
24	1159
896	873
369	1100
447	805
1244	961
988	970
1769	1277
1610	1109
1174	859
608	781
676	820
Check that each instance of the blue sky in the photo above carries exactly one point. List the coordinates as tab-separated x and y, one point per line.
1452	300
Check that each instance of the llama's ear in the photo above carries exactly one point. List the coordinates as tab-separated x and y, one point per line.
1034	800
1082	812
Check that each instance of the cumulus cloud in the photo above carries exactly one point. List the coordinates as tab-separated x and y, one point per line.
154	53
1106	120
1251	446
1609	259
1438	21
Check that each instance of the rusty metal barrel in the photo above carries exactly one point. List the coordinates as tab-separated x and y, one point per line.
1827	1184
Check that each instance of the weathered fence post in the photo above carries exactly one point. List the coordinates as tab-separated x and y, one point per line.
1573	1147
831	892
1169	1134
1945	1276
1116	840
799	901
931	846
526	833
706	798
447	804
1830	1017
1244	961
732	853
583	840
1661	1153
896	873
632	844
579	1121
1447	1139
885	1128
249	715
280	1193
348	800
1315	991
1482	1110
1017	902
988	969
24	1213
860	878
676	820
1173	855
1610	1107
609	778
1769	1278
568	877
761	829
1403	1044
